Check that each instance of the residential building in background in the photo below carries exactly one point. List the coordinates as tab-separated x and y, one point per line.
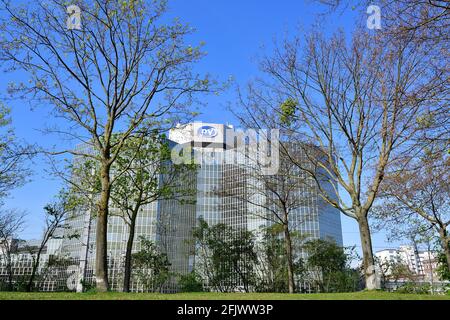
417	265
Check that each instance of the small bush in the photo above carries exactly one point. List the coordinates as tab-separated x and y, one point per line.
414	288
88	286
191	282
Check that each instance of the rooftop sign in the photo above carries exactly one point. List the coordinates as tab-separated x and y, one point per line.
207	132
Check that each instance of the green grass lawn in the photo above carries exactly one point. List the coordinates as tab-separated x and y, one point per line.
218	296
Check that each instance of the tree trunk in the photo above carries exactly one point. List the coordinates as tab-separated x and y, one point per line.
29	286
10	272
127	271
366	246
290	264
445	244
101	263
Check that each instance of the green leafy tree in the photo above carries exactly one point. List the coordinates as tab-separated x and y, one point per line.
191	282
330	266
272	265
144	174
226	257
151	266
125	66
13	155
443	269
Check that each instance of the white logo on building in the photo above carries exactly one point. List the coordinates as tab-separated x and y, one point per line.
207	132
258	149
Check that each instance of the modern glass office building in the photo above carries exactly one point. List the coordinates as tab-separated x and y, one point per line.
232	193
226	192
236	194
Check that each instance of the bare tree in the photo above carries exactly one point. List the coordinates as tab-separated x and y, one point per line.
124	66
428	20
426	23
56	215
11	224
418	195
356	103
274	199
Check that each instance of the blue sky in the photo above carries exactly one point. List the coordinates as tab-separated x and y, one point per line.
235	32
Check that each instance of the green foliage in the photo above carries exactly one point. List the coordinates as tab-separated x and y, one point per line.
20	283
287	110
399	270
227	256
89	288
331	264
55	269
442	269
4	115
151	266
190	282
426	120
272	264
362	295
12	156
147	175
326	255
414	288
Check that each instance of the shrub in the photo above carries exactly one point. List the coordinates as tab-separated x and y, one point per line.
412	287
191	282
